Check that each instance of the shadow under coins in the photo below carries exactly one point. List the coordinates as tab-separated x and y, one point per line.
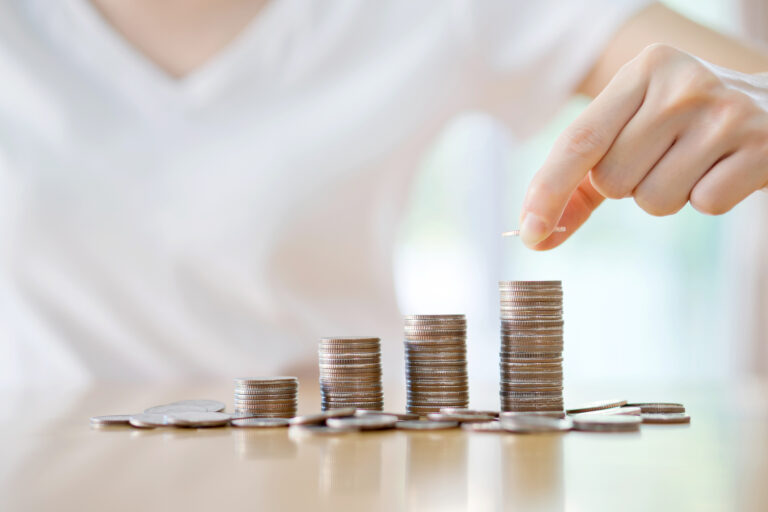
532	477
436	471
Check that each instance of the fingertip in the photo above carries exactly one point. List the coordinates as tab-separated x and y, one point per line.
534	229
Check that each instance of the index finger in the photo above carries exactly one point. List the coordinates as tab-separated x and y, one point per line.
577	150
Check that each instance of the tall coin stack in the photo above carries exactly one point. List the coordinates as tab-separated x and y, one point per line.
350	373
436	362
274	397
531	345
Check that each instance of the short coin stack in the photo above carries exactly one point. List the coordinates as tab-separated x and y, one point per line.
531	345
350	373
436	362
274	397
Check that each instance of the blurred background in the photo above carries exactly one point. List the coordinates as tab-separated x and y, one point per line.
645	298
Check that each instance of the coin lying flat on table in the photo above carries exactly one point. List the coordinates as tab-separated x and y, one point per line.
659	407
111	419
196	419
463	410
149	420
259	422
622	411
399	415
668	418
485	427
517	414
459	418
187	405
319	418
426	425
535	424
371	422
596	406
606	423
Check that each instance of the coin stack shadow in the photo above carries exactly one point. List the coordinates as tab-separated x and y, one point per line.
436	362
531	345
350	373
274	397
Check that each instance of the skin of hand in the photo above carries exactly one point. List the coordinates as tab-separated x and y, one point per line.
668	129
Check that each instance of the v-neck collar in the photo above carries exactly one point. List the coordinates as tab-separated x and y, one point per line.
252	47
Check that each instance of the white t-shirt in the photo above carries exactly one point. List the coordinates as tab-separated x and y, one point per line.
154	228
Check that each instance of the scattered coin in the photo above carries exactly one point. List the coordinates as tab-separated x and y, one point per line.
319	418
112	419
196	419
463	410
459	418
596	406
371	422
665	418
625	410
517	414
174	407
149	420
398	415
260	422
606	423
535	424
659	407
486	426
426	425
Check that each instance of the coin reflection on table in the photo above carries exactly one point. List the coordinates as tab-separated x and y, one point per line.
532	472
436	470
351	464
254	443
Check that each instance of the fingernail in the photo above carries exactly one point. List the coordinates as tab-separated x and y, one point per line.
533	229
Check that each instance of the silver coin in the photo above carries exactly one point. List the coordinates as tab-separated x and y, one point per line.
606	423
399	415
369	422
535	424
168	408
668	418
319	418
111	419
658	407
596	406
463	410
460	418
426	425
259	422
208	405
149	420
517	414
625	411
194	419
487	426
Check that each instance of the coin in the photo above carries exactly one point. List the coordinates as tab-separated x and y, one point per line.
518	414
110	420
426	425
490	427
668	418
463	410
368	422
658	407
460	418
596	406
535	424
350	373
602	423
163	409
259	422
149	420
628	411
398	415
319	418
196	419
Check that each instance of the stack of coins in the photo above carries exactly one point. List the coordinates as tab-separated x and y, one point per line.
436	362
273	397
350	373
531	345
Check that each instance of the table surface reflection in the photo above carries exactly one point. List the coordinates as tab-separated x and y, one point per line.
52	459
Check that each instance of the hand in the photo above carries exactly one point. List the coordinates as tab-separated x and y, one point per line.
669	128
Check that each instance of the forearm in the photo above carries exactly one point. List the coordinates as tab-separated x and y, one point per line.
658	24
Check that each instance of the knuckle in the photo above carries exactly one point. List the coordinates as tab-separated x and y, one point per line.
582	141
730	111
657	53
691	87
655	205
607	183
706	201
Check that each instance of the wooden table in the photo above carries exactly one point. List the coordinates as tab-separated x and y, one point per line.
53	460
